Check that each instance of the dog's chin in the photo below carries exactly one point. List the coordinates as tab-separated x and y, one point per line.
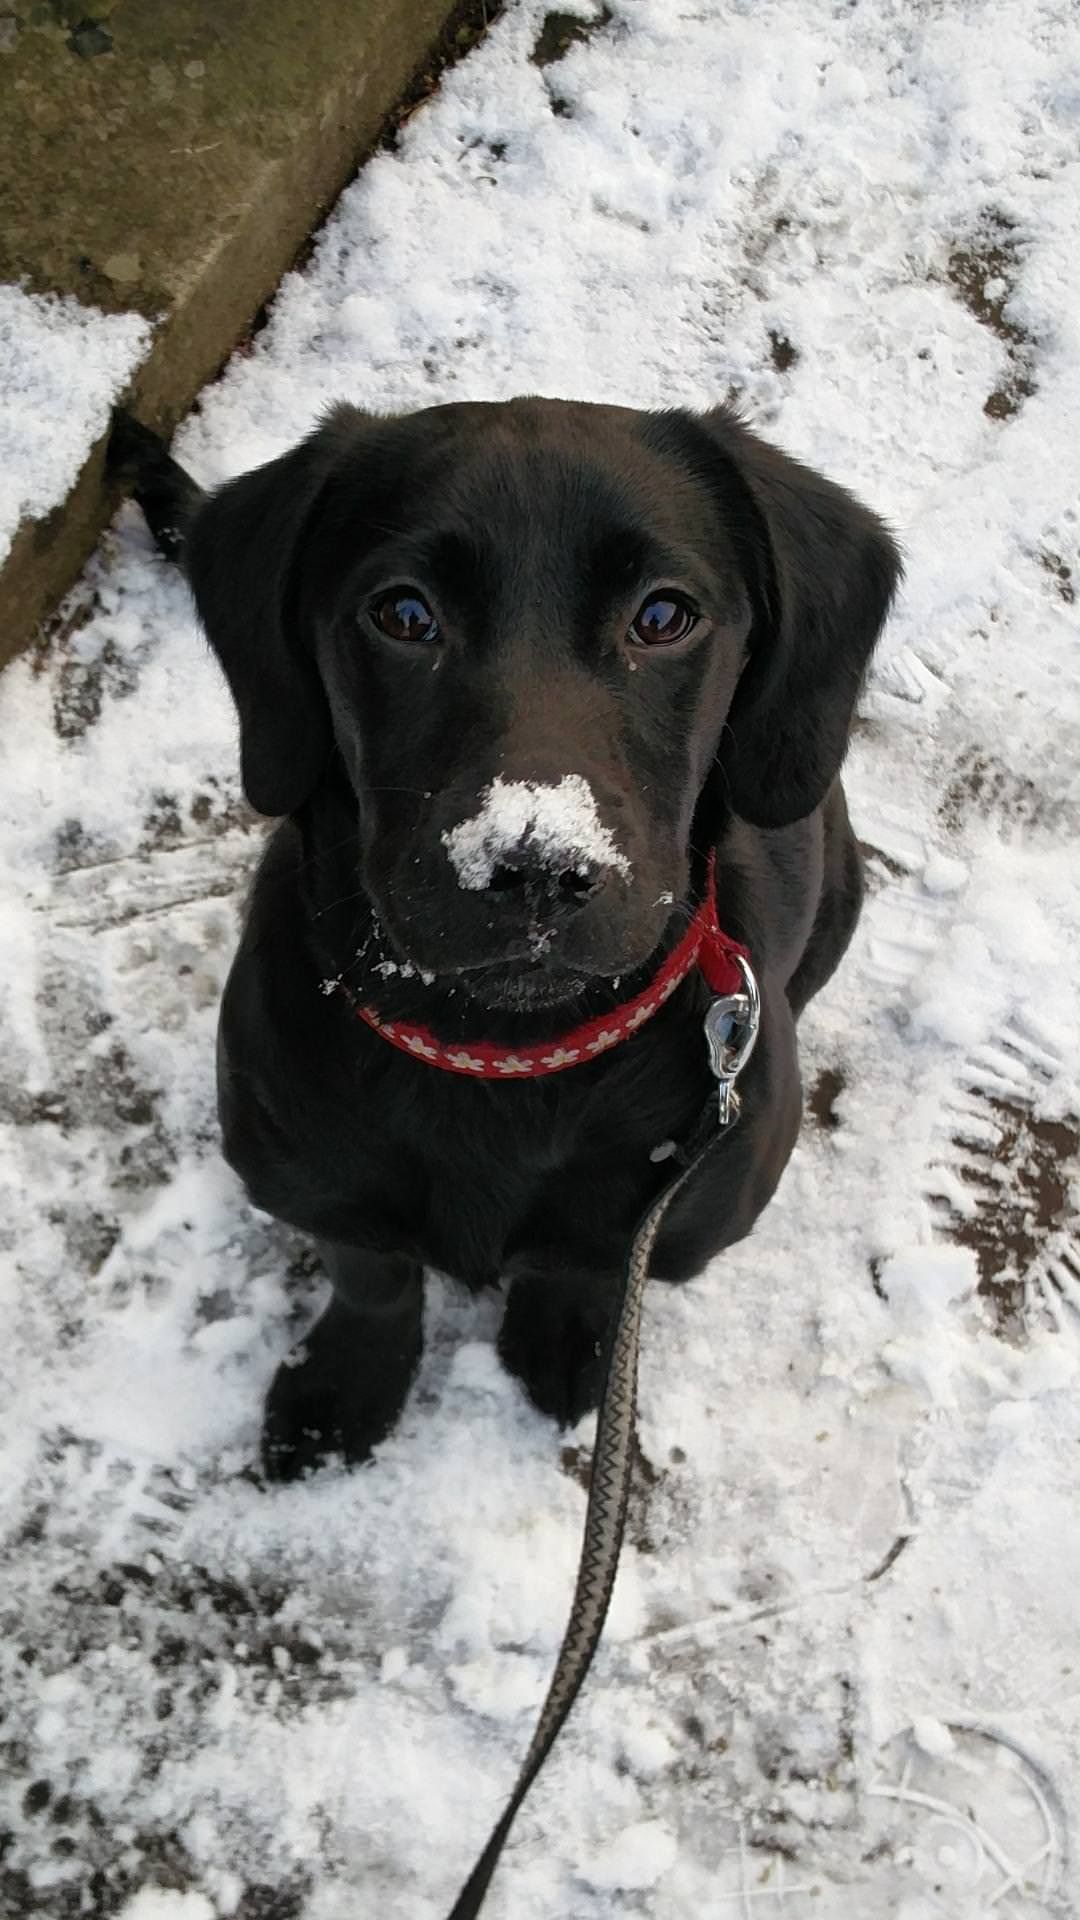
533	974
522	986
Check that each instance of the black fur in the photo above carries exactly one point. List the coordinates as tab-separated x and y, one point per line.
535	529
167	495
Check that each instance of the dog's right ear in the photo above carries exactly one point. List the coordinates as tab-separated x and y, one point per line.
240	556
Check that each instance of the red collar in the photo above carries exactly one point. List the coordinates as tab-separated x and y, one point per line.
703	945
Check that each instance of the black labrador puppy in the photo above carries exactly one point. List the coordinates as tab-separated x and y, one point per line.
523	680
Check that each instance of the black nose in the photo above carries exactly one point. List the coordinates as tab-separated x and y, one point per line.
539	888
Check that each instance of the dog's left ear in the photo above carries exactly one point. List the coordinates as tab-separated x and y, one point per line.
241	555
827	569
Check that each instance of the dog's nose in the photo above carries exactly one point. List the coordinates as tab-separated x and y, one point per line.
542	888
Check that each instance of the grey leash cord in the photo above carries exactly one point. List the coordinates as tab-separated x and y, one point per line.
731	1029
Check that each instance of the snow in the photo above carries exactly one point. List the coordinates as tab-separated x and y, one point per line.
559	825
62	365
857	1532
635	1858
166	1903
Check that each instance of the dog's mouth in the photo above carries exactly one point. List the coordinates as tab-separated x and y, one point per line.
530	975
519	986
536	974
421	946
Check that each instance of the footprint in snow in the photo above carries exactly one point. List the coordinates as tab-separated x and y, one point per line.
1004	1180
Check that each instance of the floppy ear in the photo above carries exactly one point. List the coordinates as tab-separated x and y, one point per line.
240	557
827	576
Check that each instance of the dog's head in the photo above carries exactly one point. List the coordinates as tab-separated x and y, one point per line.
545	641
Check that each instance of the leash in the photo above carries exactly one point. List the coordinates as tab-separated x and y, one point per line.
731	1026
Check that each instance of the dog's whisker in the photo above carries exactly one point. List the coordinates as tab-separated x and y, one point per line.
309	861
360	893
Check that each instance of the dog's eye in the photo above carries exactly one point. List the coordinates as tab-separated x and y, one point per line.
663	619
403	615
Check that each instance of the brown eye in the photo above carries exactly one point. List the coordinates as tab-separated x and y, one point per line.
662	619
403	615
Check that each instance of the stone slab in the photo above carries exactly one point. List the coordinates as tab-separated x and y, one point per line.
171	160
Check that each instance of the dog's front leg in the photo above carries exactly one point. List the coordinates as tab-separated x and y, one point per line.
341	1390
554	1338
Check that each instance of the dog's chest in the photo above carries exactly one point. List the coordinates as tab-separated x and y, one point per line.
357	1144
523	1179
476	1190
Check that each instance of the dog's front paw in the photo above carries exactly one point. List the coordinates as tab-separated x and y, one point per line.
337	1395
309	1421
554	1338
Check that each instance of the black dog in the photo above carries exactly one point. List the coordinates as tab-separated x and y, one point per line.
514	673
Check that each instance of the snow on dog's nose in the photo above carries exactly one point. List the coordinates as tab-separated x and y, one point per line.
532	837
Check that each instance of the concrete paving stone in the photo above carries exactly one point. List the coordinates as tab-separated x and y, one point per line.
170	161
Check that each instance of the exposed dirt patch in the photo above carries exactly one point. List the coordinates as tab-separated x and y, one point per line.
783	354
104	1884
103	1093
822	1097
982	783
560	31
274	1903
168	823
83	685
1060	573
983	273
1019	1174
89	1237
109	1873
82	680
163	825
199	1618
76	848
218	809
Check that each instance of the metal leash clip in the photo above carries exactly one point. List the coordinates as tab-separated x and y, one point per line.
731	1029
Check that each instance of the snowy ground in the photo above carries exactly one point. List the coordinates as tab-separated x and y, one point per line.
842	1676
61	367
